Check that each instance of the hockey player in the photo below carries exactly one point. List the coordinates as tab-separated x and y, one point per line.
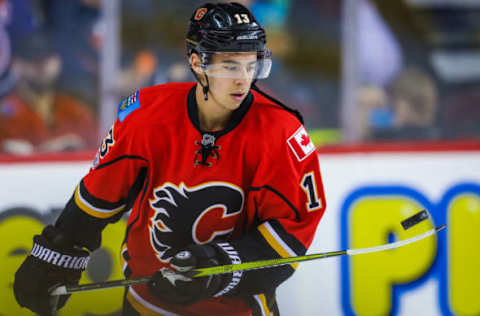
214	172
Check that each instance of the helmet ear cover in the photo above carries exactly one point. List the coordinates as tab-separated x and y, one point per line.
205	58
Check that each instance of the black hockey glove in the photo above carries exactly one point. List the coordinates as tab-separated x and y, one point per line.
52	261
175	287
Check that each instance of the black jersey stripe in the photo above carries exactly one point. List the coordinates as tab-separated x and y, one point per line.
267	187
106	164
145	187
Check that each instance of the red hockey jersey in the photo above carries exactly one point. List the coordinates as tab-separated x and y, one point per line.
260	189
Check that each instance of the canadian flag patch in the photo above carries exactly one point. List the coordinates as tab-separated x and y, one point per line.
301	144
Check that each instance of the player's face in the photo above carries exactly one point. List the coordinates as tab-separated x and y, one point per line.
230	76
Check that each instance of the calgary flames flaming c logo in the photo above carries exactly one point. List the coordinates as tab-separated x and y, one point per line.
200	214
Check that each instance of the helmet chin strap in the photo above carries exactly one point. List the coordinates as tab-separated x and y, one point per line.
205	87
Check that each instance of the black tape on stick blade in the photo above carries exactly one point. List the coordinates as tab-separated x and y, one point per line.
415	219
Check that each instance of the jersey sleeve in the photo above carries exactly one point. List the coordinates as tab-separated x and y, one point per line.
105	190
110	187
288	201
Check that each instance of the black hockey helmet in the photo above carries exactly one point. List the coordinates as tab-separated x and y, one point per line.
227	27
224	27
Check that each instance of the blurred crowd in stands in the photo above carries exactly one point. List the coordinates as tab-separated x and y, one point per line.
417	78
48	75
409	83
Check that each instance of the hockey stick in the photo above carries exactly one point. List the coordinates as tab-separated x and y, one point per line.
261	264
283	261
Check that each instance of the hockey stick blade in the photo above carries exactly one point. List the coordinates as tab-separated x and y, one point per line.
253	265
414	219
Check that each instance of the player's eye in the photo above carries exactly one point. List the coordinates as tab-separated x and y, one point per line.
231	68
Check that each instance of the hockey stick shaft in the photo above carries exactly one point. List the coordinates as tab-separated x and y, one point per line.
262	264
62	290
283	261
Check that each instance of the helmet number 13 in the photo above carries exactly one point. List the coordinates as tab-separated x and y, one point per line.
242	18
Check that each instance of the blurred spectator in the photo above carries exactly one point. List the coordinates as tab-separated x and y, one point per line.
76	28
7	80
374	112
18	17
33	116
138	74
414	99
146	70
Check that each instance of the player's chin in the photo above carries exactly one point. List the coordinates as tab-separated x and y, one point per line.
233	104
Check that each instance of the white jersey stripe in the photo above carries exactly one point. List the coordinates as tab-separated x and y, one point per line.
280	240
260	304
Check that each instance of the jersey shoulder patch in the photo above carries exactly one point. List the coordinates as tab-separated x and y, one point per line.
128	105
301	144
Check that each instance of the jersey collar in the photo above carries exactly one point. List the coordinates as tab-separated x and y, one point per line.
235	119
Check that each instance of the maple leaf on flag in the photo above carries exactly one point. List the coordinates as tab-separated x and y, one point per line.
305	140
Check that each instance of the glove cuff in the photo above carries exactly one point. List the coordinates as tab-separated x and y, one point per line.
48	248
230	255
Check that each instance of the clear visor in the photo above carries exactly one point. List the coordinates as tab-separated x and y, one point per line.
243	65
